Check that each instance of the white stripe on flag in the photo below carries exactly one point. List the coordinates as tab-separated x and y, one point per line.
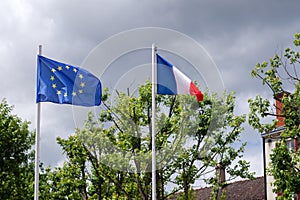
182	81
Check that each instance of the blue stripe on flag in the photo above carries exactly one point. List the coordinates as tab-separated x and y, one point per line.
166	83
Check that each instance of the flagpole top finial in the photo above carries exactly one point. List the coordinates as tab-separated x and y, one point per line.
154	47
40	50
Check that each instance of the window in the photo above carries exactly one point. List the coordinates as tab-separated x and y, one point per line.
291	145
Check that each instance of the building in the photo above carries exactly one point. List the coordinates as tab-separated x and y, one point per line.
239	190
269	143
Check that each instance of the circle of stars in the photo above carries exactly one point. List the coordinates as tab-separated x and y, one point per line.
54	84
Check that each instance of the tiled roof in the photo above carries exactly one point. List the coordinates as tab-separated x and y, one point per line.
240	190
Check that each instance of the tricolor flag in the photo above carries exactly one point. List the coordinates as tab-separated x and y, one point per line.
171	80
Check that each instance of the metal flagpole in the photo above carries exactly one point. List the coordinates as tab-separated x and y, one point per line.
37	145
154	80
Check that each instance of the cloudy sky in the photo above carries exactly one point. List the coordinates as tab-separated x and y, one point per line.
236	34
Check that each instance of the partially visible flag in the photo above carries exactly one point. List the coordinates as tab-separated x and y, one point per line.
65	84
172	81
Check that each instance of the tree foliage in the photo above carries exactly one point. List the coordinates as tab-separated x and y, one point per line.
281	75
110	157
16	156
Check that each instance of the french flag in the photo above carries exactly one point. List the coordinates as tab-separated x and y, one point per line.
172	81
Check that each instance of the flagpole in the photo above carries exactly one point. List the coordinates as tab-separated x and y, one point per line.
37	145
154	80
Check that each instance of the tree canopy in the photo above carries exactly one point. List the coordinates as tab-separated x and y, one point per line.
16	156
110	157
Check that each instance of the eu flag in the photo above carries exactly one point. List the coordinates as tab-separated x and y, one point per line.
65	84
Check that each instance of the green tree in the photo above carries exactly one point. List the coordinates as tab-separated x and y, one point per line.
83	175
112	154
70	180
215	130
281	76
16	156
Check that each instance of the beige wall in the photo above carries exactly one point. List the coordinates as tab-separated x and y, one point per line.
269	145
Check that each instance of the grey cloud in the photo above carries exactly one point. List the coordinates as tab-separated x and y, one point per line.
237	34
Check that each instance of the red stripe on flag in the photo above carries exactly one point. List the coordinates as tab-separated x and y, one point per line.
194	91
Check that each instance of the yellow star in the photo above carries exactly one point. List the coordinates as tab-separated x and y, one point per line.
53	70
65	95
75	70
67	67
82	84
59	68
80	76
58	92
73	94
80	91
53	85
52	78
